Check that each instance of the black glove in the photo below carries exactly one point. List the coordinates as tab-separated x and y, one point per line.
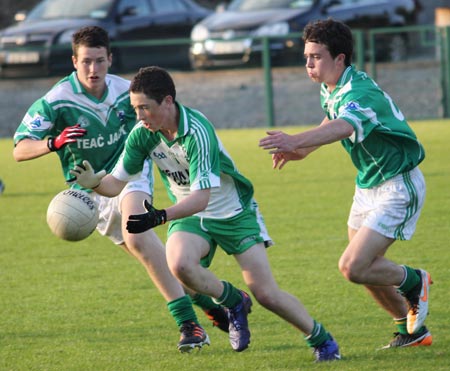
143	222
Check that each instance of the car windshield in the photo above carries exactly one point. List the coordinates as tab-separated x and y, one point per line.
247	5
52	9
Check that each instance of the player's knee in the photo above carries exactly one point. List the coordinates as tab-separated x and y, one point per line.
266	298
143	244
351	271
182	270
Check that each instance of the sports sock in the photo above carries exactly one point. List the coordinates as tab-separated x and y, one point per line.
204	302
411	280
317	336
182	311
230	297
401	325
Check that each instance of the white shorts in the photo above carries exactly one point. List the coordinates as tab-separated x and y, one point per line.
392	208
110	215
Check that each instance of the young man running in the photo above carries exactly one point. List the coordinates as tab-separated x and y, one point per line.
390	188
88	115
213	206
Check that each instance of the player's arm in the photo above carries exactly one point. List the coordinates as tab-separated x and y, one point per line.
194	203
326	133
110	186
280	159
106	185
28	149
197	201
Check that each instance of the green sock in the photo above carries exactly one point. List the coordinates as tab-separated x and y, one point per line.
317	336
401	325
204	302
410	281
182	311
230	297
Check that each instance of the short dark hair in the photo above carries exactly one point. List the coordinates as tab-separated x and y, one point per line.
92	37
155	82
335	35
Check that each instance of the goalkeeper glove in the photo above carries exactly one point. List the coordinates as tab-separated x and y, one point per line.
143	222
85	175
68	135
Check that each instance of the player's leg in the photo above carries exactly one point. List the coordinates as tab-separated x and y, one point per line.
149	250
386	296
363	260
213	311
379	216
258	276
189	250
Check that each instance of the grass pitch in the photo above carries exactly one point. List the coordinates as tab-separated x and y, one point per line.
89	306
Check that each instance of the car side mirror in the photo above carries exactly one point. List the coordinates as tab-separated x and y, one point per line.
129	11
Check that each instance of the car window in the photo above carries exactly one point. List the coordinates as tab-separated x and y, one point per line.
167	6
247	5
51	9
355	2
133	7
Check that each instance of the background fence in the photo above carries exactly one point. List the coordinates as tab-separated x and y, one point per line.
270	96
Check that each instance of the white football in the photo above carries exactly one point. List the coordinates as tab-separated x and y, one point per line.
72	215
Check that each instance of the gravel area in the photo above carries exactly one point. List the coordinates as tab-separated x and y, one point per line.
237	98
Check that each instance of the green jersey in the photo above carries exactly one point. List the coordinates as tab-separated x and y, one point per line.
383	145
194	160
108	121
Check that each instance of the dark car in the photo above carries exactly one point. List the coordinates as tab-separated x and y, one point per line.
232	36
40	44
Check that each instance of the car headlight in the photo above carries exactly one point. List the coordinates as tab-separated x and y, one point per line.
199	33
66	37
273	29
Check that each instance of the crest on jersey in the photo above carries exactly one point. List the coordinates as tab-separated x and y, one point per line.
37	122
121	115
352	106
83	121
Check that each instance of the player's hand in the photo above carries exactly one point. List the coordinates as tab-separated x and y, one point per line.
280	159
143	222
277	141
85	175
68	135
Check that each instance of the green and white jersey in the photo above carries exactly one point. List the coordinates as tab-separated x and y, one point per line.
383	144
194	160
108	121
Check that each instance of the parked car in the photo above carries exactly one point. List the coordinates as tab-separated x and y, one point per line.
229	37
40	44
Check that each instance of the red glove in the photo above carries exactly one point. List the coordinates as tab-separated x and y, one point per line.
68	135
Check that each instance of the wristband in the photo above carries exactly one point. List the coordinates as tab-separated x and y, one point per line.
51	144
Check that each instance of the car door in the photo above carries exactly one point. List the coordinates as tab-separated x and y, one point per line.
145	22
134	20
174	20
362	14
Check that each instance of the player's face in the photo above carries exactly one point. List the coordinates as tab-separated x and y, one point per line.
154	116
321	66
92	66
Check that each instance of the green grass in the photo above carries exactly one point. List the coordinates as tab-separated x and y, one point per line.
89	306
